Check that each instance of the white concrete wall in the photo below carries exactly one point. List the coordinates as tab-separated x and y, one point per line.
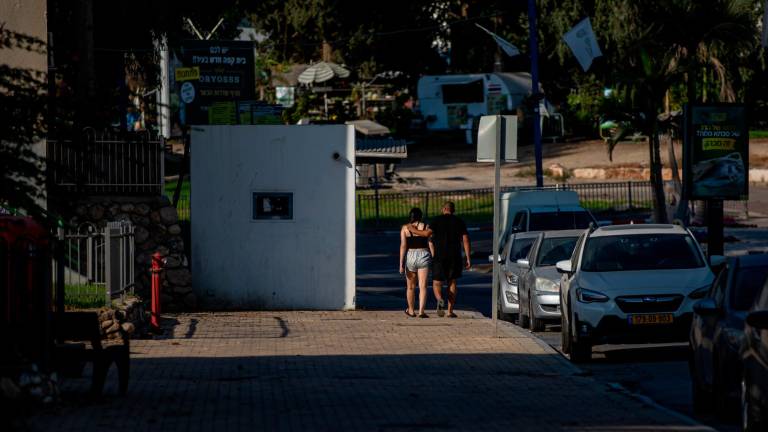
306	263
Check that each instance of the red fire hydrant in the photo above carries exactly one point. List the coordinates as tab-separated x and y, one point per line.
157	267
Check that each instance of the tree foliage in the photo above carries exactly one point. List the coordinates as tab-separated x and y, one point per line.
22	106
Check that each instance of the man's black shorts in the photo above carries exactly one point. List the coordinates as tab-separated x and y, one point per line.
445	269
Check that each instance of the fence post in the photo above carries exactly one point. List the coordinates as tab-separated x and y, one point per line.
376	191
359	207
60	286
629	195
112	264
426	206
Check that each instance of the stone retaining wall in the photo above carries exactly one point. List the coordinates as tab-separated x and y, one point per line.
157	229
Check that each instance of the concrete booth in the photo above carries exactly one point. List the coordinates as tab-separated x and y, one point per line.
274	221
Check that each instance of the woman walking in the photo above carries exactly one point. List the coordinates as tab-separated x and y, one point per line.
415	258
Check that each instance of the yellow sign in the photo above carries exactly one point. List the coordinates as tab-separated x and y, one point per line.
188	74
708	144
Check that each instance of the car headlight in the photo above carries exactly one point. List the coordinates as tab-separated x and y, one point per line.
589	296
699	292
512	279
511	297
547	285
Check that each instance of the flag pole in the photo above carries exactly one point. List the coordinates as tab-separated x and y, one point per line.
533	36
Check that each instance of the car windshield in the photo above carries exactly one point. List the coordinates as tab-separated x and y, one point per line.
560	221
555	249
749	281
520	249
641	252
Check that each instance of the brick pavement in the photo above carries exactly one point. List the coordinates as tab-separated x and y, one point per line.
360	370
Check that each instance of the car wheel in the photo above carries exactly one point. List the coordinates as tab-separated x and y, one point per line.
537	325
581	349
523	320
750	419
702	400
724	406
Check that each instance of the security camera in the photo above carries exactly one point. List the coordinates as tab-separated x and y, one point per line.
336	156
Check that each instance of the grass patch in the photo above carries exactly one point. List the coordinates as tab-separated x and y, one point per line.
170	188
758	134
84	296
394	208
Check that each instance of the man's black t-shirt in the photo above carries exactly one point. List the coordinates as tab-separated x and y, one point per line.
447	231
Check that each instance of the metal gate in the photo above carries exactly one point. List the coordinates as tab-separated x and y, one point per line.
98	263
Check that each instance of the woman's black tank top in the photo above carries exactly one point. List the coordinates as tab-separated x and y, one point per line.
416	242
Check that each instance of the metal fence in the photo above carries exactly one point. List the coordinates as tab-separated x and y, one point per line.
98	264
476	205
107	163
387	209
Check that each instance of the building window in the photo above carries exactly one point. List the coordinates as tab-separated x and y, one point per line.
273	206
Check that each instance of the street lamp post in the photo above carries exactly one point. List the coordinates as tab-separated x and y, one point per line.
533	36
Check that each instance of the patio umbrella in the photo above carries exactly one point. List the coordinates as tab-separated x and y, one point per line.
322	72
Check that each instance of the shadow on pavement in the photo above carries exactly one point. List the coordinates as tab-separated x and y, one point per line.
387	392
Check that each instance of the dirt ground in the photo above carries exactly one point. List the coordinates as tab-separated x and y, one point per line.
453	166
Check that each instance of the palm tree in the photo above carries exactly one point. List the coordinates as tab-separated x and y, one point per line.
654	45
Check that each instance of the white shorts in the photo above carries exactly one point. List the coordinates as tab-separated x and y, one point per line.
417	259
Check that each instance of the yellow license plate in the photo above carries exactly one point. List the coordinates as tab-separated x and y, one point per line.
646	319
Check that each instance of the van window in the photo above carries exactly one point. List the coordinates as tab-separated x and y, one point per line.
472	92
560	220
520	221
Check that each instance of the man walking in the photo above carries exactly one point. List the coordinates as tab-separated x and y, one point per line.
448	234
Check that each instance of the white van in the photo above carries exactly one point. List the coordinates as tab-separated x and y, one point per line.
541	210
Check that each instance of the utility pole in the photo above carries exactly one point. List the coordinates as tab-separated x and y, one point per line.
164	94
535	96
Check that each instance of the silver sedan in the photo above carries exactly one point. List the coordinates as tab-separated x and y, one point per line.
539	288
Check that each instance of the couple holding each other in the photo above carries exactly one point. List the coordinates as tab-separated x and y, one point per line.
439	245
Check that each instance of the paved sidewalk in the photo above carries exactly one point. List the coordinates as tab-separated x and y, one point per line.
362	371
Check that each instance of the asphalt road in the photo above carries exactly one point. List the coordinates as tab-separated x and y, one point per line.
659	372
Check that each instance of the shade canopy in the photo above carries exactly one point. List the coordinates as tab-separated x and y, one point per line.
322	72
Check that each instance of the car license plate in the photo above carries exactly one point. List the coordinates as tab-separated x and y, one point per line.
647	319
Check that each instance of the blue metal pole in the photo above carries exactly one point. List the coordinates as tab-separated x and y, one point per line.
535	90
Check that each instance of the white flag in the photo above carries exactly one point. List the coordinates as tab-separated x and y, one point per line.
508	48
765	25
581	39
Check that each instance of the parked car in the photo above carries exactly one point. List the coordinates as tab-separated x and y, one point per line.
630	284
540	284
717	335
517	246
754	383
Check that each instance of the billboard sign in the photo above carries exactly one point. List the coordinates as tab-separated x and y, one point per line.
716	152
226	74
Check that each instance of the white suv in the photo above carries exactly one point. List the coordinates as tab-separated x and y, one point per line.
630	284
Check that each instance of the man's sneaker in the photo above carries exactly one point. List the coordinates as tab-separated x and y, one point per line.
440	307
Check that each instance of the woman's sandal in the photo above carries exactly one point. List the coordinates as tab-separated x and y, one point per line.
410	315
423	315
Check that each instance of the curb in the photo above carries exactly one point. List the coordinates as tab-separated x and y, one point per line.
618	387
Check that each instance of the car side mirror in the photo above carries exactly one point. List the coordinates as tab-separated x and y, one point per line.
716	260
524	263
501	258
564	266
758	319
706	307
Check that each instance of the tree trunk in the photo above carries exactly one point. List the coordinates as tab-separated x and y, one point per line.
657	182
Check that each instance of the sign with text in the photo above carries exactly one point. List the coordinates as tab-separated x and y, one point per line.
226	74
188	74
716	152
